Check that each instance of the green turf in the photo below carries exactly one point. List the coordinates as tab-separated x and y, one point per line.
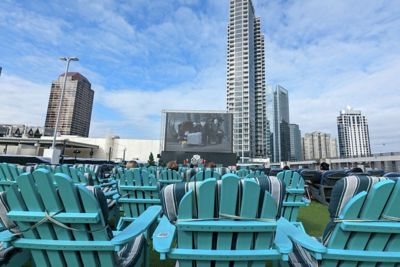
314	217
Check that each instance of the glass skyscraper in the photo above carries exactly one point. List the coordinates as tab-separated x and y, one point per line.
278	120
295	142
246	80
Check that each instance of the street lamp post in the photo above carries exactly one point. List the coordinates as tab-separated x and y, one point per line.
68	60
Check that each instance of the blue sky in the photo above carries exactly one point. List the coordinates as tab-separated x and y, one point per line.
144	56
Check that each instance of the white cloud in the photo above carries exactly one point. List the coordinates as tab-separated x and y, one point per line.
22	101
154	55
329	54
375	94
142	107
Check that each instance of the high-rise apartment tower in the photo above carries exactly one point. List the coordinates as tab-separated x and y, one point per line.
295	142
278	117
76	109
246	80
318	145
353	134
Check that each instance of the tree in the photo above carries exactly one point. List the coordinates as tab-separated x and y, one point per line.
151	161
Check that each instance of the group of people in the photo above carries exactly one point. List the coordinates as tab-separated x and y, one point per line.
173	165
212	133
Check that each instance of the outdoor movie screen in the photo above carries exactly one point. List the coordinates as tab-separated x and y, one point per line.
198	132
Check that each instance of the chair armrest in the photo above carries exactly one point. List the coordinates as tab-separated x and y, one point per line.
108	183
138	226
111	194
306	201
283	242
6	237
163	237
299	237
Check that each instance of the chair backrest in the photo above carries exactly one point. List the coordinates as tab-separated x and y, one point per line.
392	174
223	170
218	215
313	176
10	171
242	173
259	173
329	178
294	194
205	174
274	172
38	195
152	170
7	176
376	172
170	176
369	222
342	192
15	172
188	173
138	191
76	175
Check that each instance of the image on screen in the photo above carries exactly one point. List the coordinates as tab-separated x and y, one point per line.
198	132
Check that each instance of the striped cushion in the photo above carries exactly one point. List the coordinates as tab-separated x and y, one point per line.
172	194
311	175
99	195
331	177
300	257
131	252
275	187
189	173
342	192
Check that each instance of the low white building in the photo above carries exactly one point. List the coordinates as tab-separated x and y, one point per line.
112	147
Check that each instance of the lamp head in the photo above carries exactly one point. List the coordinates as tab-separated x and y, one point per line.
69	58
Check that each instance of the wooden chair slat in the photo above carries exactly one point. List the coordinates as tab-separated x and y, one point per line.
33	202
53	204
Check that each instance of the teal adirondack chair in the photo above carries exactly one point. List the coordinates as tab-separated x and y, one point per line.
363	231
108	185
205	174
65	225
76	175
138	191
9	255
79	178
10	170
6	178
294	198
169	177
322	191
230	222
188	173
223	170
153	170
242	173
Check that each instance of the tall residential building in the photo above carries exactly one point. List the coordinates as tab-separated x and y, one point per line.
353	134
246	80
318	145
334	148
295	142
278	118
76	109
